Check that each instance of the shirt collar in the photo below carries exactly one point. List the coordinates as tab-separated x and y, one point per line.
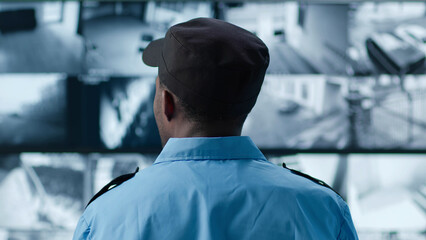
209	148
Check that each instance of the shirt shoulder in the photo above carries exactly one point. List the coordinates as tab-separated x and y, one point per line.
143	186
186	185
118	206
316	201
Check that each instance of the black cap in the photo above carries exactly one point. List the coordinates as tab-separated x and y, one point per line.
211	64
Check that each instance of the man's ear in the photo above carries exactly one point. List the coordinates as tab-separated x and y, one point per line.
169	104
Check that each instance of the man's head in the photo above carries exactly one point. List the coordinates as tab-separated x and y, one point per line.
210	74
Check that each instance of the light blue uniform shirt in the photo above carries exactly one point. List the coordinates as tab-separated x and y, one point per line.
216	188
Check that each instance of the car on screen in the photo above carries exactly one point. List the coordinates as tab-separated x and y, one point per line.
413	34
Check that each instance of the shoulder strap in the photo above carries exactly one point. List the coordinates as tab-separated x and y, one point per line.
315	180
114	183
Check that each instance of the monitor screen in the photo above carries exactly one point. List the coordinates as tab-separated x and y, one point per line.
388	37
44	194
300	112
116	33
33	110
126	116
40	37
320	112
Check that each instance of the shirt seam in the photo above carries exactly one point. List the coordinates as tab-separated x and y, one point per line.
342	222
88	227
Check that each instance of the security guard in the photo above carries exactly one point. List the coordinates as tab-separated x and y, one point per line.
209	182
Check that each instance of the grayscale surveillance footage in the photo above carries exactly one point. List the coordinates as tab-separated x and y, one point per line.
40	37
44	194
335	112
126	115
358	38
32	109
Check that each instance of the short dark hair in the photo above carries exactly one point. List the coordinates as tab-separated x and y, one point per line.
203	116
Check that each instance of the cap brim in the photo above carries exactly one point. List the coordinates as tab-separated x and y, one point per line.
151	56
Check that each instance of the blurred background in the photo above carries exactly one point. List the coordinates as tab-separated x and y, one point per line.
344	100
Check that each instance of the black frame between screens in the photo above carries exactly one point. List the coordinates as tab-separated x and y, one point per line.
268	152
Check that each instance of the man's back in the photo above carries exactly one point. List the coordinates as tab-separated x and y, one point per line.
216	188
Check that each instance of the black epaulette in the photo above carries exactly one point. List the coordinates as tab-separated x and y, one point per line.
114	183
315	180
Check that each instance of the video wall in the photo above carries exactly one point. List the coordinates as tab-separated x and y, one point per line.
59	112
72	78
344	78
